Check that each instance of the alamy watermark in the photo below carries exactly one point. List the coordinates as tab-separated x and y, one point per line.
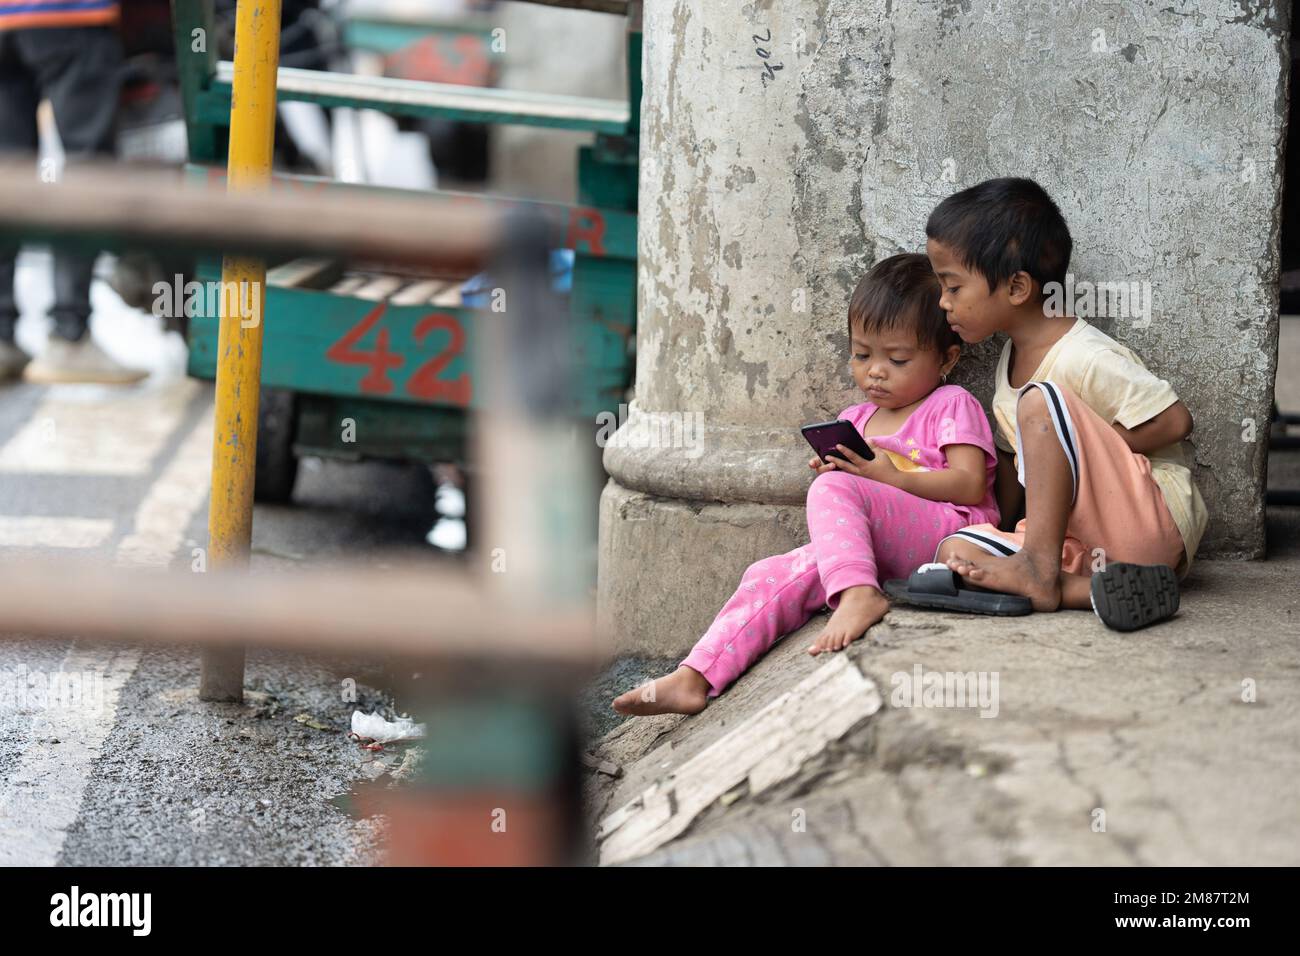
130	910
180	298
653	430
1099	300
919	688
27	690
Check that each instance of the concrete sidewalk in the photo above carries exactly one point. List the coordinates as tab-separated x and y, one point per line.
1149	728
1105	748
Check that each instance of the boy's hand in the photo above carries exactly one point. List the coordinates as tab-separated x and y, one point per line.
879	468
1169	427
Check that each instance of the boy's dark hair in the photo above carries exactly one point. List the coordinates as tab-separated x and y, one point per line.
1004	226
902	292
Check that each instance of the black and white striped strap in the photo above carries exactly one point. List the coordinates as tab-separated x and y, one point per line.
1060	413
990	543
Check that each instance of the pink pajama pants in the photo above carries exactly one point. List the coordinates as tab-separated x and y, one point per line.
862	532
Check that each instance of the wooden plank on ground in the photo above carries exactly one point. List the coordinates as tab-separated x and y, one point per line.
766	749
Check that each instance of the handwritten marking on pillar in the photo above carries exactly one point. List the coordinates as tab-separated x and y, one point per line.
765	54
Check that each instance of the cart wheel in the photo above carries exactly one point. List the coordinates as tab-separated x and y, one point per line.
277	466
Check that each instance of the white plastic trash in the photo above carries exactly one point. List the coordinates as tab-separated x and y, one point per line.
373	727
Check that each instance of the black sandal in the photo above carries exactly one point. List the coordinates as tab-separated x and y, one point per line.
1126	597
940	588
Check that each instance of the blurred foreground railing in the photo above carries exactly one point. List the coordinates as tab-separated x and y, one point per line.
118	207
506	642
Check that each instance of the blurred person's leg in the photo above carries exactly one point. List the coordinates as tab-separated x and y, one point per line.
18	101
79	70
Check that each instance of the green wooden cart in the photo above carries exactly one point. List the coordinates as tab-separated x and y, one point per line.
376	363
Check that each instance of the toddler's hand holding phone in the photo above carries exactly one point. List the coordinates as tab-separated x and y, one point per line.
878	468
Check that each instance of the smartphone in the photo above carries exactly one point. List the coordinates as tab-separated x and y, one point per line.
824	436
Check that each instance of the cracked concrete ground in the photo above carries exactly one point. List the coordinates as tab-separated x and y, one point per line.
1106	748
1149	727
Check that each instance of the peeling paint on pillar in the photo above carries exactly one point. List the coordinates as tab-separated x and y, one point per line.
1158	131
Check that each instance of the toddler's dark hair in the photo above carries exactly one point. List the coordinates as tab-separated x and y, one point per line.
1004	226
902	292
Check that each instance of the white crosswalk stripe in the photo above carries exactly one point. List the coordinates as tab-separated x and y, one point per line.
44	789
87	430
171	502
42	793
34	531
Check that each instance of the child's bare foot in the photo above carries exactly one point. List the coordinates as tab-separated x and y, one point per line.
1019	574
684	691
859	608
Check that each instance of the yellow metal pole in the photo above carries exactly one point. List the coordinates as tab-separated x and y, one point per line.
239	341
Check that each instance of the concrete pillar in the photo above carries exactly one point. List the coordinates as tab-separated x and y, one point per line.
765	193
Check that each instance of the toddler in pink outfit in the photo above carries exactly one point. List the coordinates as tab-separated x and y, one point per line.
868	521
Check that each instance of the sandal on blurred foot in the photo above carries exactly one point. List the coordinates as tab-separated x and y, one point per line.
82	361
939	588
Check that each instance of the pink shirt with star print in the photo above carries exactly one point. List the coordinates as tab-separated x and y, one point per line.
949	415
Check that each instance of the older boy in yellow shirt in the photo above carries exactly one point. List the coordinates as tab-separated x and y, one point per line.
1090	435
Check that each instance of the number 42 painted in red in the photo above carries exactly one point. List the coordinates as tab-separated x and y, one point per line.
424	382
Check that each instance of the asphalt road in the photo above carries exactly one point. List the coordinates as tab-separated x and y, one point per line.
106	755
